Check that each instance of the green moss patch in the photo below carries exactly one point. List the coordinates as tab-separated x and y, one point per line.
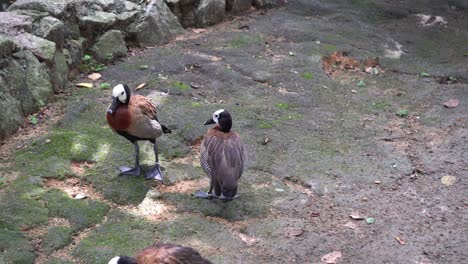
15	247
20	205
122	234
56	238
80	213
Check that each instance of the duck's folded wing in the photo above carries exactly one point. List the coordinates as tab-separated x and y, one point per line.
207	153
144	106
235	154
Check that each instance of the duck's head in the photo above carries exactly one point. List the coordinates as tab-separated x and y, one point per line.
122	260
222	119
120	95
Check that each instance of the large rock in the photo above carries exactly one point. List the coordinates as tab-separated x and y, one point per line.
74	51
37	80
94	22
7	46
11	23
59	72
56	8
11	114
238	6
157	26
109	46
184	10
268	3
210	12
52	29
42	48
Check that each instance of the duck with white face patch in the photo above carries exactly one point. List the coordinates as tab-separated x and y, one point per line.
222	157
134	117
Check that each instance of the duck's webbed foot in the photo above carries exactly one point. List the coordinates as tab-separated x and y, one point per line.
130	171
204	195
154	173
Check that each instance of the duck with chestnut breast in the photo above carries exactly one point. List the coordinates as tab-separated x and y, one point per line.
134	118
222	157
163	254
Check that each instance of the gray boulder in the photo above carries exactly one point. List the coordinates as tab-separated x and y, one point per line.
74	51
52	29
109	46
238	6
95	22
184	10
268	3
11	114
56	8
157	26
42	48
7	46
210	12
11	23
37	80
59	72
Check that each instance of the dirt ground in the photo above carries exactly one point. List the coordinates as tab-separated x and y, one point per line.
356	153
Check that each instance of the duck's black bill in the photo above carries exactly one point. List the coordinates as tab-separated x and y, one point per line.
113	106
209	122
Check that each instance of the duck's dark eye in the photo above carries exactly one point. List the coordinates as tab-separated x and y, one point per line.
216	116
122	93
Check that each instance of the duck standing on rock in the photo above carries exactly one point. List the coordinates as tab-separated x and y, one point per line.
134	117
163	254
222	157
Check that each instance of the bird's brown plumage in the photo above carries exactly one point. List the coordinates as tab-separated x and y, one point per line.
169	254
137	118
223	158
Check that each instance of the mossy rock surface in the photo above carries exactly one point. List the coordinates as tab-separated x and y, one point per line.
15	247
121	234
80	213
56	238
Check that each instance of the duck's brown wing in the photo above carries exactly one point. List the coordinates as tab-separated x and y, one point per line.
223	157
170	254
143	106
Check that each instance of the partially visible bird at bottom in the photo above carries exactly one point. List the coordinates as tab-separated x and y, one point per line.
163	254
134	117
222	157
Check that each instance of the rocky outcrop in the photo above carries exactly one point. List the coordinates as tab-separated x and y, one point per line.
42	43
109	46
157	26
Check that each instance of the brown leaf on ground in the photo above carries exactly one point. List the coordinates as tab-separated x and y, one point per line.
356	216
401	241
95	76
332	257
371	62
141	86
338	60
452	103
293	232
199	30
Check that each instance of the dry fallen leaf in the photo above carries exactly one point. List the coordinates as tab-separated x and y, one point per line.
84	85
401	241
80	196
356	216
266	140
351	225
332	257
452	103
95	76
199	30
141	86
448	180
294	232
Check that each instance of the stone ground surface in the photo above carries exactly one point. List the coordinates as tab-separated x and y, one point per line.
320	148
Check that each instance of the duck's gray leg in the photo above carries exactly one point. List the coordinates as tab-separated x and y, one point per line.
205	195
136	170
155	172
